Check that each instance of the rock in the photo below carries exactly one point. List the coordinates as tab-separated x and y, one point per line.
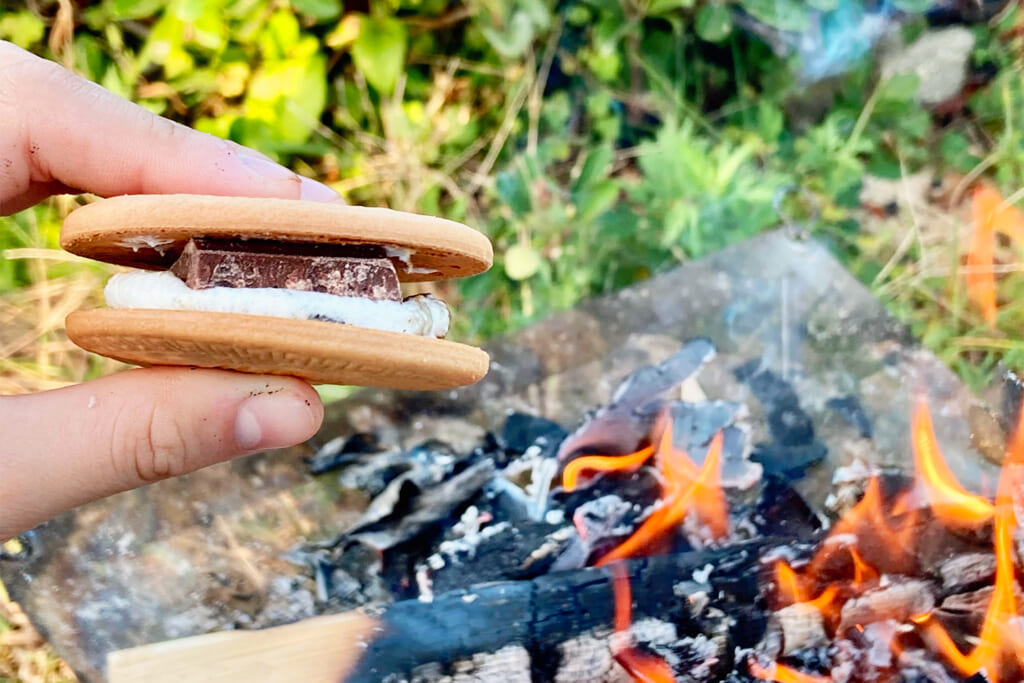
939	58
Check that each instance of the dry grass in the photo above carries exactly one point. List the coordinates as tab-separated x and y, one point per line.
36	355
24	655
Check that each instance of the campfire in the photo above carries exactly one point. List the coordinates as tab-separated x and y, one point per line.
611	503
671	548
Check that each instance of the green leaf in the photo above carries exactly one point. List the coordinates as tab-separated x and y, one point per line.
136	9
24	29
189	10
824	5
785	15
658	7
279	36
521	262
770	120
714	22
899	88
596	200
513	191
288	96
512	40
379	51
595	167
321	10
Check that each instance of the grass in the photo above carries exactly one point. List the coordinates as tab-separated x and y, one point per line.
24	655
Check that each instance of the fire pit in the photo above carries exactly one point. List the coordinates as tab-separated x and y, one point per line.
730	472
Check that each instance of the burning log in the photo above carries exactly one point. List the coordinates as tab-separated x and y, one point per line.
549	611
801	626
900	600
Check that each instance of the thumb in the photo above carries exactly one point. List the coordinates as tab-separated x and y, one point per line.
66	447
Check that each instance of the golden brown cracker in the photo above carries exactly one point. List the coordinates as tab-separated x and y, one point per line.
149	231
320	352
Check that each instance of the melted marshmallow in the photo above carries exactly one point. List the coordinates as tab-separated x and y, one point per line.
420	315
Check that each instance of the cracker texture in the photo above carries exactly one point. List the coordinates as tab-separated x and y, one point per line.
150	231
320	352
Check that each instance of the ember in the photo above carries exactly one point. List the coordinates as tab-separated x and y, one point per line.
877	596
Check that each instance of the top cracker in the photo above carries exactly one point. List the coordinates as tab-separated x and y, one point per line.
150	231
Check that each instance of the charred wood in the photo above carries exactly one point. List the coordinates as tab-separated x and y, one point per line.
543	614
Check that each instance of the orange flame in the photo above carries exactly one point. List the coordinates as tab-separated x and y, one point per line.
602	463
1001	636
783	674
643	667
863	573
792	591
786	580
685	486
998	650
869	520
989	216
980	275
952	505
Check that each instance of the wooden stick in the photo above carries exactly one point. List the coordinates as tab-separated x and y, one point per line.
319	649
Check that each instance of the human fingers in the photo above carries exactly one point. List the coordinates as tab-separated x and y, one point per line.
66	447
64	133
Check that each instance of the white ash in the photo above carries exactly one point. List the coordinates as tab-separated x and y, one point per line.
899	599
556	544
420	315
926	664
331	448
704	574
654	632
848	484
782	553
880	635
510	664
527	479
694	593
540	485
450	550
588	659
554	517
424	584
604	517
467	546
802	627
966	569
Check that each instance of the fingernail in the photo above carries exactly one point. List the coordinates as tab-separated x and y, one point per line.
264	167
273	421
315	191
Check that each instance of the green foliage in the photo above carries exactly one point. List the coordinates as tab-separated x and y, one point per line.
595	141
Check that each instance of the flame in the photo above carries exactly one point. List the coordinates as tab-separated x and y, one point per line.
783	674
952	505
790	588
792	591
863	573
685	486
1001	636
990	215
869	520
602	463
980	275
641	666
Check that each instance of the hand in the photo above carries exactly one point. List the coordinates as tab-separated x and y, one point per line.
62	448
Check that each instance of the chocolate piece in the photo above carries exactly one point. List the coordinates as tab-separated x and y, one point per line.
342	270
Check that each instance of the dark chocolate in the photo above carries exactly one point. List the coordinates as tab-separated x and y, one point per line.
342	270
